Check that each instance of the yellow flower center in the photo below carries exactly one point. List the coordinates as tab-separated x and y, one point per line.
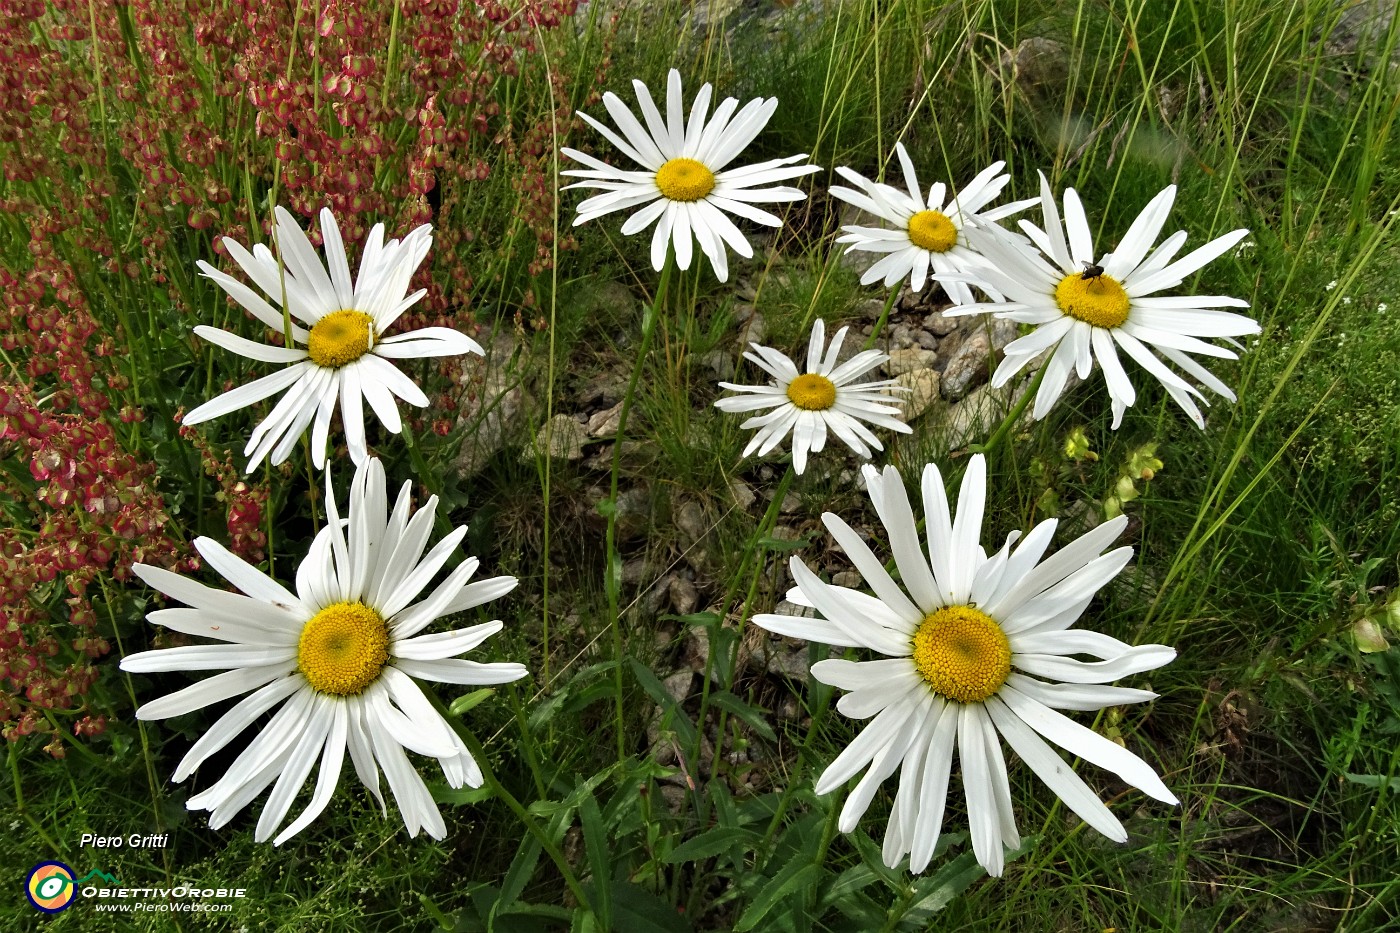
1099	301
933	231
812	392
962	653
685	180
341	337
343	648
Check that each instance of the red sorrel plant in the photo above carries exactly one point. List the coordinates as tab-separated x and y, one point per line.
136	134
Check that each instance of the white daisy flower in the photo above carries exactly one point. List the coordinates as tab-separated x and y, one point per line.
346	357
809	404
1083	306
975	647
685	185
340	656
927	232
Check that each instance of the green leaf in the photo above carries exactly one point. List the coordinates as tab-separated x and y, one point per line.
637	910
737	707
443	921
685	729
852	880
782	544
459	795
518	875
465	703
935	892
595	842
798	874
1375	780
713	842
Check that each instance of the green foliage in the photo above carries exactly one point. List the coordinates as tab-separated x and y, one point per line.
671	776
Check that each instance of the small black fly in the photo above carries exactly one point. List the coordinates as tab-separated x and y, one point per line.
1092	270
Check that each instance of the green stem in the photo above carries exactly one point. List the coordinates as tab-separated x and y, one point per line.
532	827
151	780
19	802
612	584
1012	416
884	316
765	526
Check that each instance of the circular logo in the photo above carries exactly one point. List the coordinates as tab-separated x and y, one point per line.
50	887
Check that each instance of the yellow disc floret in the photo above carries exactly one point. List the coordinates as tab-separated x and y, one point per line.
933	231
812	392
341	337
343	648
1099	300
962	653
685	180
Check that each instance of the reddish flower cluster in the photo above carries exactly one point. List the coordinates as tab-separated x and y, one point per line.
137	132
90	511
244	503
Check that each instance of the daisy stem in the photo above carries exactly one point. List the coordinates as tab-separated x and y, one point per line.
479	754
310	483
152	781
23	811
884	316
1012	416
613	579
765	526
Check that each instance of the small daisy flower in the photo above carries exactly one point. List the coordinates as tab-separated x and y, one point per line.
927	232
1084	307
976	649
809	404
340	656
685	186
346	358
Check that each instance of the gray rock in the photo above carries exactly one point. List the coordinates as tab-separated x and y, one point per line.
787	608
967	366
850	578
941	326
973	419
684	596
707	13
561	437
923	390
742	494
721	362
1362	27
752	327
492	412
691	522
605	423
636	570
909	359
1039	68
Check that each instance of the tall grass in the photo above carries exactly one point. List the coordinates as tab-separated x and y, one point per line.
687	802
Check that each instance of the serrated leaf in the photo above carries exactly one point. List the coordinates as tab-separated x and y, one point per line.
637	910
852	880
751	716
518	875
710	843
595	843
649	682
798	874
935	892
